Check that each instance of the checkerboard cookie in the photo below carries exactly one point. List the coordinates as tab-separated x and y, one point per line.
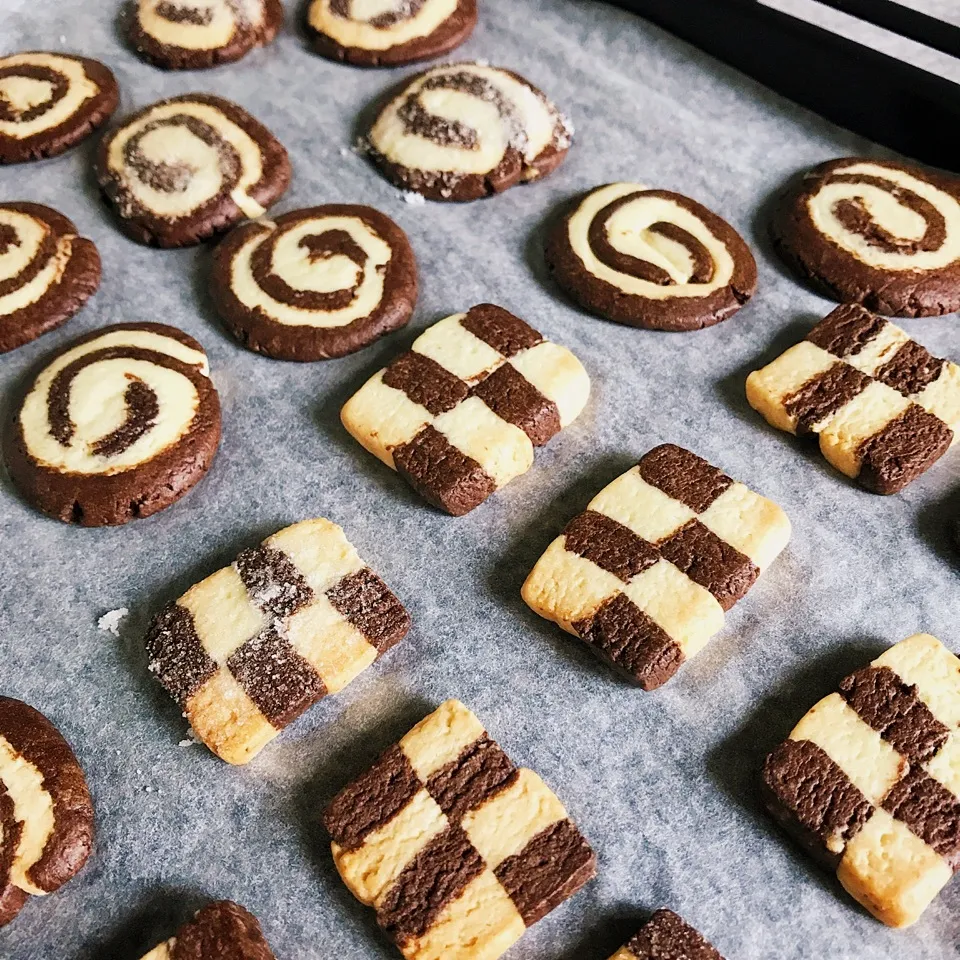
883	409
459	414
869	780
220	931
253	646
667	937
456	849
645	574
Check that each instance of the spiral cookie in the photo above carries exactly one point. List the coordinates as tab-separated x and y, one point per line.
119	425
651	258
464	131
47	272
46	817
49	102
878	233
315	283
194	34
186	168
387	34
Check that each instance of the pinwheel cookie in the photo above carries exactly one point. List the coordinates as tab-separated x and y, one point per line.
645	574
456	849
459	414
667	937
869	780
220	931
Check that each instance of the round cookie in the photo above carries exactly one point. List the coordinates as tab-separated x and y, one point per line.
195	34
119	425
883	234
189	167
651	258
46	816
463	131
404	32
47	272
317	283
49	102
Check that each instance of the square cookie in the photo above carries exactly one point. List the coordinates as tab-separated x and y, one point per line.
883	409
666	936
645	574
221	930
456	849
869	780
247	650
459	414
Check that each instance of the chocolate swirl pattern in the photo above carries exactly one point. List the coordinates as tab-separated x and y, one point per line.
464	131
49	102
316	283
186	168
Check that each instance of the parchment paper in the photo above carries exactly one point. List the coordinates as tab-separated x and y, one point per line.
662	784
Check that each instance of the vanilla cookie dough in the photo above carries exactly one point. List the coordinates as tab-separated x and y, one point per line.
186	168
316	283
49	102
47	272
248	650
666	936
651	258
463	131
119	425
869	780
220	931
457	850
883	409
46	816
645	574
459	414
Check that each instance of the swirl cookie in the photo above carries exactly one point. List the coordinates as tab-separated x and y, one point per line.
651	258
389	34
49	102
665	936
464	131
119	425
189	167
220	931
46	817
315	283
47	272
874	232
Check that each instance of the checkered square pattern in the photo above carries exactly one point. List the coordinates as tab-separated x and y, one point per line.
666	936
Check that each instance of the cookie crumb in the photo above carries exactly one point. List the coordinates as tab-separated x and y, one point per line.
110	621
414	199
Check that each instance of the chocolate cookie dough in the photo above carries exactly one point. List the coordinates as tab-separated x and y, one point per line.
883	409
46	817
47	272
869	780
195	34
189	167
651	258
220	931
119	425
459	414
645	574
464	131
883	234
315	283
49	102
456	849
253	646
665	936
388	34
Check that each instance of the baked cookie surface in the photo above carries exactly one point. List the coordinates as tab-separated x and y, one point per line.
666	936
883	409
651	258
49	102
869	780
463	131
220	931
119	425
645	574
186	168
457	850
374	33
883	234
47	272
316	283
459	414
248	650
46	816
